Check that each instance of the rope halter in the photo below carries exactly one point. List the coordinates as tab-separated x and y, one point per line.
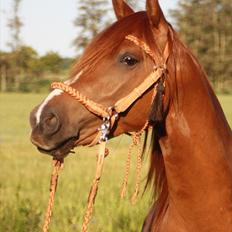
109	116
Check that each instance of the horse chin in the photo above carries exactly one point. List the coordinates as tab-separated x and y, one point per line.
87	139
62	150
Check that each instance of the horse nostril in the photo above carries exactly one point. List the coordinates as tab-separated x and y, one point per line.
50	123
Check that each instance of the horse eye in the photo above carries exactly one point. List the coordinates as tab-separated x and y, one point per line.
129	60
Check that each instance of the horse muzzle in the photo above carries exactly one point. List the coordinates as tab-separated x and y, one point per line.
49	136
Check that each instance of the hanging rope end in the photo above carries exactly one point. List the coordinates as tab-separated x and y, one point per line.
123	191
134	198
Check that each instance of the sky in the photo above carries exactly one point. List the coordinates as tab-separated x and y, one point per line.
48	24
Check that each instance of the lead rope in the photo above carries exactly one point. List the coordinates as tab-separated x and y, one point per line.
57	166
93	191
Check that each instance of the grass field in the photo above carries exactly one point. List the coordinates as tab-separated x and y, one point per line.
24	179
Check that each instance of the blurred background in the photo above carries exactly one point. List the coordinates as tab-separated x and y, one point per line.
40	40
39	43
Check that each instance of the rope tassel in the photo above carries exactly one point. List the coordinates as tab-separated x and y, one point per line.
138	171
127	170
136	141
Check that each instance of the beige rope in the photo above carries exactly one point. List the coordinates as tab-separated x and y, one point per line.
57	165
143	46
94	188
123	104
89	104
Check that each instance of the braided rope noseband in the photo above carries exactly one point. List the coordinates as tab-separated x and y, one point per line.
109	116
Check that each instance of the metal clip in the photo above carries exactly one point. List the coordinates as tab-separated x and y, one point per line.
106	125
105	129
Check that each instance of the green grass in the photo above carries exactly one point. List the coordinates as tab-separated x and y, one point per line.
25	173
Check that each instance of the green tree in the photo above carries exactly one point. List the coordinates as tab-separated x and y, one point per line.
92	16
24	61
51	62
28	59
206	26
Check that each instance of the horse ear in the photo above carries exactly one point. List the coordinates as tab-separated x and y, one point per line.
154	12
121	9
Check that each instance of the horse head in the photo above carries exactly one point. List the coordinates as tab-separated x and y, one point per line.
111	67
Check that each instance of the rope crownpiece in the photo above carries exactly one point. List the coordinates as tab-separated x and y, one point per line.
142	45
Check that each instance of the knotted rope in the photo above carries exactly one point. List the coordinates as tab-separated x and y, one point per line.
144	47
57	165
92	106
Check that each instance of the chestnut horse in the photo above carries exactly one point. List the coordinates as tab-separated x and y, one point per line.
191	159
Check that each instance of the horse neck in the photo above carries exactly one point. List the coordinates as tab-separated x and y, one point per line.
197	149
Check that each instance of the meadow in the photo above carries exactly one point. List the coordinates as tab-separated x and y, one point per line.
25	176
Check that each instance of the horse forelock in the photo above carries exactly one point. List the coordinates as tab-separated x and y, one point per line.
107	43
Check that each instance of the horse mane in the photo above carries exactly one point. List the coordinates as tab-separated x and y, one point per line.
156	174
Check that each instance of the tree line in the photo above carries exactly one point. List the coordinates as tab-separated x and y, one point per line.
205	26
22	69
